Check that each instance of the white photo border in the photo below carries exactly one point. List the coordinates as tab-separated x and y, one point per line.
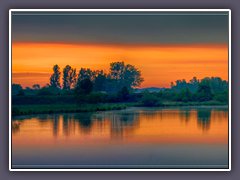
118	10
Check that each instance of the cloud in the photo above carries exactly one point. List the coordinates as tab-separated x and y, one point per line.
125	29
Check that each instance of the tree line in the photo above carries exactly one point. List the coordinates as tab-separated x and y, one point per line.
120	76
209	89
118	85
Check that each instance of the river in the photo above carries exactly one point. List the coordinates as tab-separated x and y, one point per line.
179	137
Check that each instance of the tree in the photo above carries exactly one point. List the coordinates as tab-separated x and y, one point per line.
125	75
85	80
48	90
179	85
72	77
100	81
17	89
194	80
55	77
132	76
69	77
86	74
193	84
185	95
150	99
204	92
221	97
123	94
217	84
36	86
84	86
117	70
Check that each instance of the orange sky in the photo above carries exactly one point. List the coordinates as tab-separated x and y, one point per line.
160	64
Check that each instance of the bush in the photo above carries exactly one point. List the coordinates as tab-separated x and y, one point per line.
221	97
95	98
15	111
123	94
46	91
149	99
184	95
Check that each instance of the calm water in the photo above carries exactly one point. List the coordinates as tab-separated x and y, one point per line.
131	138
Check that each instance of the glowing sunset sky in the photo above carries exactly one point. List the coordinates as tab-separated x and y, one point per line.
165	47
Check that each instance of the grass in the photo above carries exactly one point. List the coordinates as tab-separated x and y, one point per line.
74	108
64	108
205	103
178	103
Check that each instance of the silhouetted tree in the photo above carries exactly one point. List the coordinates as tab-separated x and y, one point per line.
72	78
185	95
69	77
36	86
100	81
16	89
21	93
194	81
86	74
221	96
55	77
123	94
204	92
150	99
125	75
217	84
179	85
84	86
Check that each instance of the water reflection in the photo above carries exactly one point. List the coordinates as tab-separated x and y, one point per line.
203	119
118	123
128	124
84	120
185	115
55	125
16	126
171	136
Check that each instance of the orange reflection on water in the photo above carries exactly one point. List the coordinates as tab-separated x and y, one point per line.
134	125
184	127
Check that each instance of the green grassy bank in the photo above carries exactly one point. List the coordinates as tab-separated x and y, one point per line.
63	108
73	108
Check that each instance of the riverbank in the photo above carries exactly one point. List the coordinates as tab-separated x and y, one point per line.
64	108
74	108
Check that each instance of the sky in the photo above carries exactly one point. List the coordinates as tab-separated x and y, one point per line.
163	46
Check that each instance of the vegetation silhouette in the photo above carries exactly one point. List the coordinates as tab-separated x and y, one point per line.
117	89
69	77
55	77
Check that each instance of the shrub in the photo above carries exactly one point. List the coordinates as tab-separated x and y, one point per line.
149	99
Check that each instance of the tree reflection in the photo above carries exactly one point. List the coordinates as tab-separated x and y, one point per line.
66	119
185	115
16	126
84	120
204	118
123	123
151	115
55	125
